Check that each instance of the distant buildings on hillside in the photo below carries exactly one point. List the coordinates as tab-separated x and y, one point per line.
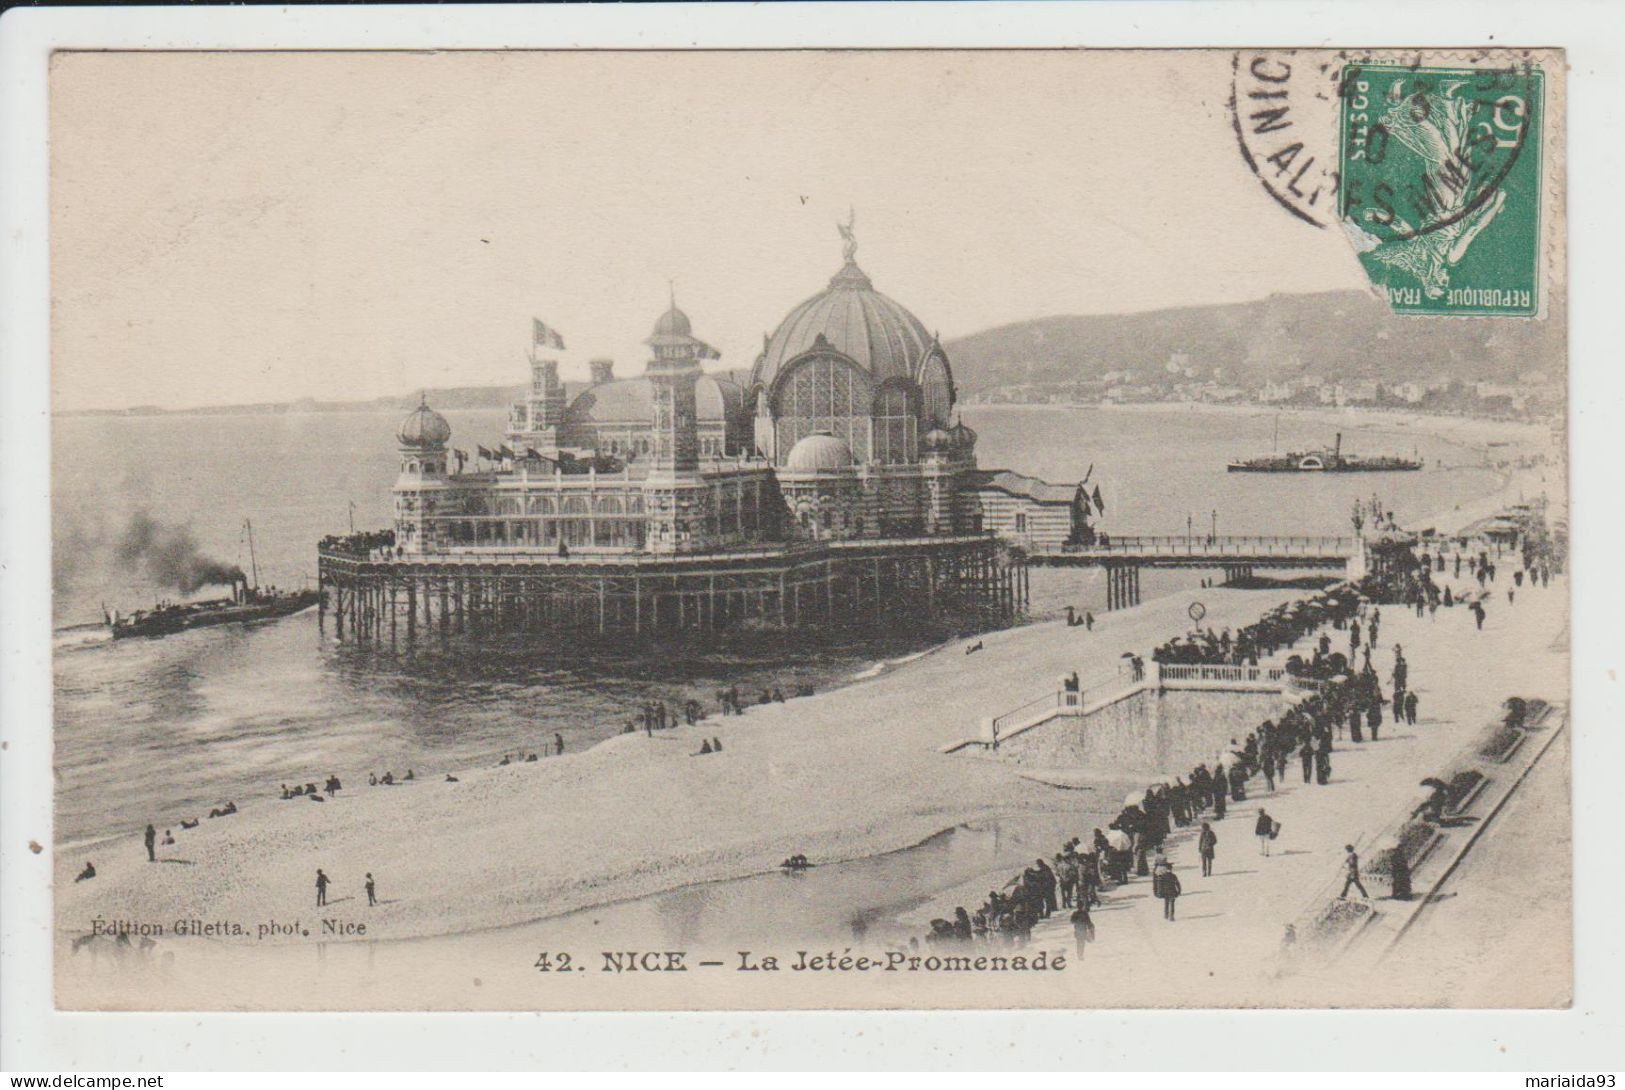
1182	379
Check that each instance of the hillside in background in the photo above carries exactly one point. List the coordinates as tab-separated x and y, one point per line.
1339	336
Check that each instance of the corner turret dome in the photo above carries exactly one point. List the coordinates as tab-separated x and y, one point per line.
423	427
820	452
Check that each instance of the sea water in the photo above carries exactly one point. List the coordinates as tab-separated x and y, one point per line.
160	729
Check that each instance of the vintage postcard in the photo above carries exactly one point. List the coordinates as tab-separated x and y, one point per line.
695	530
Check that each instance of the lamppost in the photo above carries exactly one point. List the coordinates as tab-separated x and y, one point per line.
1188	546
1215	526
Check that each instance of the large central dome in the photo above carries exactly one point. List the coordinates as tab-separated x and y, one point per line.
876	332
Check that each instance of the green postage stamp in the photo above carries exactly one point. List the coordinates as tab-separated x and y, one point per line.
1441	185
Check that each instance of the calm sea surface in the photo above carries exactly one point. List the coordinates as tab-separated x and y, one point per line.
159	729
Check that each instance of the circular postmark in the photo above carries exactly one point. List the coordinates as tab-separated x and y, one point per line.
1285	123
1197	611
1428	149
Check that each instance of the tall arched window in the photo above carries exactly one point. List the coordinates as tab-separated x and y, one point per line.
822	394
575	523
609	528
936	393
894	426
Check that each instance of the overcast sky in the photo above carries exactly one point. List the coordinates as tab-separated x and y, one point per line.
235	228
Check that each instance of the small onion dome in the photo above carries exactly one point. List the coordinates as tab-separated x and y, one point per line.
820	452
938	439
673	323
423	427
964	437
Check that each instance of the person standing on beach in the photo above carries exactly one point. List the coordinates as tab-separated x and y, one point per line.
1206	842
558	743
152	840
321	888
372	891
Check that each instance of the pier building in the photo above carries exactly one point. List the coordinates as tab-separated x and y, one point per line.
836	488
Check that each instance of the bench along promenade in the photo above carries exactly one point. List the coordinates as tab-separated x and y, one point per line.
1123	555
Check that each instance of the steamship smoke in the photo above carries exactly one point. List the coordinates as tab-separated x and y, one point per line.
170	555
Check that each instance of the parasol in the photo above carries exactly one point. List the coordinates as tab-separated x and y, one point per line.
1119	840
1134	798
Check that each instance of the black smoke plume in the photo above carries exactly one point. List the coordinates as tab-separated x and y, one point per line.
170	555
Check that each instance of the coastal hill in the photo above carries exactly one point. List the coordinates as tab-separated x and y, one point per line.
1338	336
1334	336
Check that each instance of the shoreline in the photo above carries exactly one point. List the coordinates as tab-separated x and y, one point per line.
867	829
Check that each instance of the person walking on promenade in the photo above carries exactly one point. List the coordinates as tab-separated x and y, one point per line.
1046	889
372	890
1373	718
1083	928
1264	830
321	888
1066	871
1165	884
558	743
1206	842
1351	874
152	841
1410	708
1399	705
1478	614
1267	766
1221	794
1306	755
1323	762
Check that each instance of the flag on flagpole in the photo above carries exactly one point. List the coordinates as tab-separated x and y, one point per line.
505	451
483	452
1100	504
706	352
545	336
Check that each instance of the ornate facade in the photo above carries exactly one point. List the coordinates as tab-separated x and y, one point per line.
845	431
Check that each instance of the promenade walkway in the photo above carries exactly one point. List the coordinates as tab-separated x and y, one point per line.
1227	938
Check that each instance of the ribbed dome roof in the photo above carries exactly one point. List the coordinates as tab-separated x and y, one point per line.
820	452
938	439
423	427
856	320
673	323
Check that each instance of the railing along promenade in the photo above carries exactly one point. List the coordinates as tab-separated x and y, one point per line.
1229	546
1124	555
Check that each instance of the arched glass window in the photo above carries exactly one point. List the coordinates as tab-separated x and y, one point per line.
823	394
895	426
936	393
